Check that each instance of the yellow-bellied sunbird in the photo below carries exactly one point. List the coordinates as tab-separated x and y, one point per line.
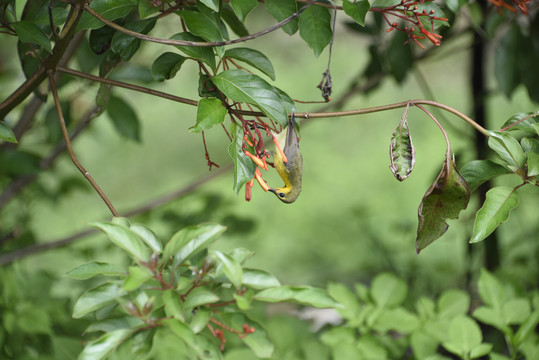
288	163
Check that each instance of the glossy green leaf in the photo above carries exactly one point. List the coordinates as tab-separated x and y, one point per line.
357	10
258	341
147	8
464	336
477	172
110	9
111	324
212	4
89	270
204	54
282	9
30	33
498	204
304	295
125	45
199	297
207	27
243	7
166	66
200	320
252	57
506	60
509	150
401	151
96	298
533	163
136	277
125	239
173	305
101	347
181	330
7	134
530	144
124	118
210	112
148	236
516	122
315	28
240	86
230	267
447	196
259	279
191	240
387	290
244	167
231	19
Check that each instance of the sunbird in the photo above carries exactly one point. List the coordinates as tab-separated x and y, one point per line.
288	163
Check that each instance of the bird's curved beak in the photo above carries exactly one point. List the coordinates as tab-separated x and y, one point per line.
272	190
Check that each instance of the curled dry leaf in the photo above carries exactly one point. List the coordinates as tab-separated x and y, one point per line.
446	197
401	151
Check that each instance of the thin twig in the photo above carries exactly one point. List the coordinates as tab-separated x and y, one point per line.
79	166
195	43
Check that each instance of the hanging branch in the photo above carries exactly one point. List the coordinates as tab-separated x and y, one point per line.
72	155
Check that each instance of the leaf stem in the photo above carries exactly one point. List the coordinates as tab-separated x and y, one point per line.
72	155
448	151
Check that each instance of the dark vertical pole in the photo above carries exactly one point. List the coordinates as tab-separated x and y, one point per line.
492	253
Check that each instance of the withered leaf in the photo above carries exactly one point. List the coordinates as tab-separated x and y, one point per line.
447	196
401	151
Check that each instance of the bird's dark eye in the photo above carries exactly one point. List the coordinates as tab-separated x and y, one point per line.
281	194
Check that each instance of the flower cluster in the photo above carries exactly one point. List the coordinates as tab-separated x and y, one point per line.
522	5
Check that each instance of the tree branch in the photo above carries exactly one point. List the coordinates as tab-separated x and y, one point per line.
194	43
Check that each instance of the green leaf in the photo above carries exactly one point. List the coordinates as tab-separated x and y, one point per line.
124	118
453	303
30	33
315	28
243	7
357	10
480	350
125	239
199	297
148	236
252	57
527	328
533	163
204	54
509	150
447	196
259	279
527	125
477	172
110	9
400	56
244	167
125	45
304	295
423	344
200	320
387	290
258	341
350	305
111	324
103	345
464	336
399	320
212	4
491	290
181	330
210	112
89	270
230	267
282	9
137	276
506	60
146	8
401	151
498	204
166	66
240	86
207	27
6	134
191	240
530	144
173	305
516	311
95	299
236	25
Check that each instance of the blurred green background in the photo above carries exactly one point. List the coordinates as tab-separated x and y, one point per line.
353	219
